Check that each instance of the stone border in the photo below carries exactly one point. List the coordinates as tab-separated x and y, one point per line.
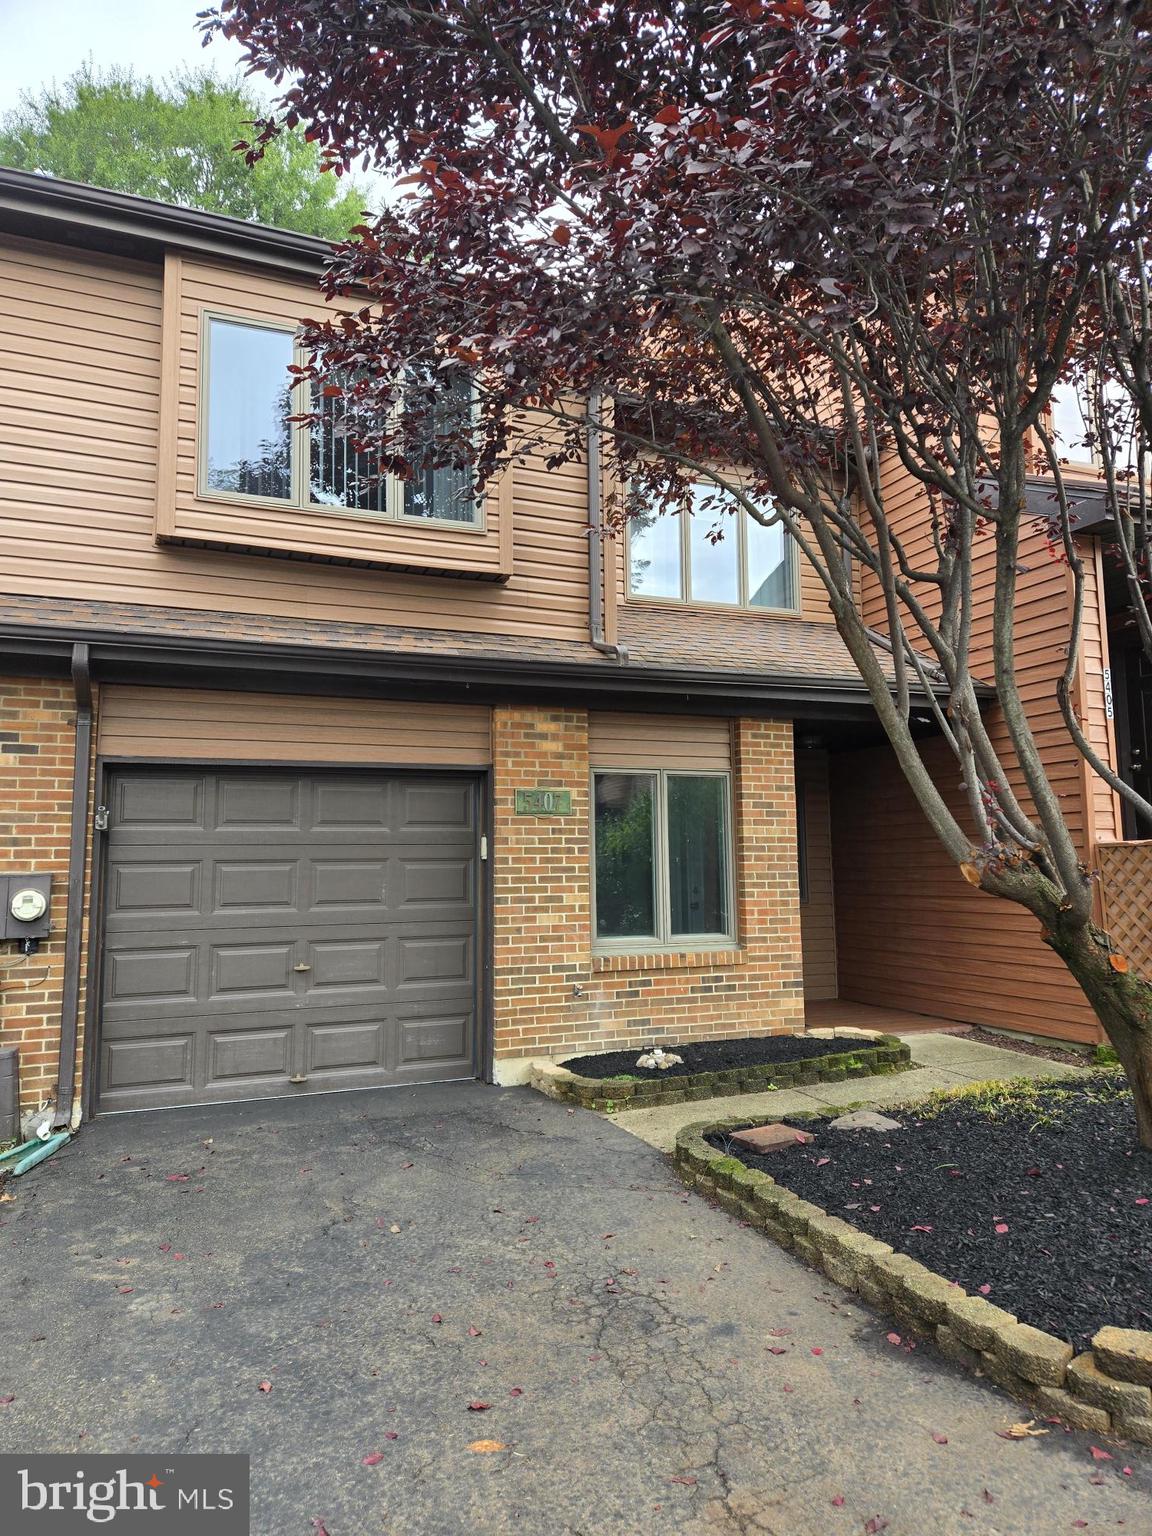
883	1053
1107	1389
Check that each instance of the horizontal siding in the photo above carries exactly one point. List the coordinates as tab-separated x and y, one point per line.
818	913
659	741
80	379
174	724
911	933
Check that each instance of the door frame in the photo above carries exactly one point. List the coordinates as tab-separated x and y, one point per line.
106	768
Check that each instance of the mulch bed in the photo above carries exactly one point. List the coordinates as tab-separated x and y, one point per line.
717	1056
1042	1205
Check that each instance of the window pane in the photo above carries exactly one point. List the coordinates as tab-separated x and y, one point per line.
770	567
444	491
698	855
625	864
654	555
338	475
715	567
249	400
1069	428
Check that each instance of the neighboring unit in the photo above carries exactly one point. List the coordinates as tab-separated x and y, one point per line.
344	783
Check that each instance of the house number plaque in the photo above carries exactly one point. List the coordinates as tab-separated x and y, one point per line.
543	802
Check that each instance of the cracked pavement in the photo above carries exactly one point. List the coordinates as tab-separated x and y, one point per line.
621	1330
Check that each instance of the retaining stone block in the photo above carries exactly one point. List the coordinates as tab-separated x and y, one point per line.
977	1322
1081	1415
1004	1376
1125	1353
1088	1381
1138	1428
928	1295
806	1250
953	1348
1038	1357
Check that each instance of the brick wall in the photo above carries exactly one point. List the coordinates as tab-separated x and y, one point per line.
552	995
37	741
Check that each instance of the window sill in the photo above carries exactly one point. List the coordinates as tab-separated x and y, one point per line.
729	610
667	960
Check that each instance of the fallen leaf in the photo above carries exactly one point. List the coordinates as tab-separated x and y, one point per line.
820	1161
390	1434
985	1290
1099	1455
788	1387
838	1501
4	1401
1143	1200
479	1407
516	1392
893	1338
407	1165
1020	1431
939	1438
373	1459
394	1227
319	1527
921	1228
816	1350
687	1481
779	1333
436	1318
875	1525
777	1349
1001	1227
265	1386
126	1290
1127	1471
486	1447
177	1178
473	1333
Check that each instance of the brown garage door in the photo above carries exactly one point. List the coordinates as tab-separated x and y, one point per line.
270	933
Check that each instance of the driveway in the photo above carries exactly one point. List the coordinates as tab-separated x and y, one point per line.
382	1260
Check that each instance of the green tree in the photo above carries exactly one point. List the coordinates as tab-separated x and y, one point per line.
174	141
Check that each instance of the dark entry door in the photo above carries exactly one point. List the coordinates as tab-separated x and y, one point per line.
273	933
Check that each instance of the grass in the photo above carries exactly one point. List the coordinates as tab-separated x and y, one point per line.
1046	1099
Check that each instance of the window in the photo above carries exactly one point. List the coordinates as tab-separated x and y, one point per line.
250	448
1074	432
674	556
662	858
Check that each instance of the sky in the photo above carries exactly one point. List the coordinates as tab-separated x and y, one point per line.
45	40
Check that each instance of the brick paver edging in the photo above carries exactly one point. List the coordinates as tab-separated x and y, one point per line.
870	1058
1107	1388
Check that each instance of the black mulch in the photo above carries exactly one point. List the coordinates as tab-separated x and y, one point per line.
1042	1208
1048	1050
714	1056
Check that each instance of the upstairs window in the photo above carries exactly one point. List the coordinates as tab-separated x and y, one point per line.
250	450
674	557
1074	431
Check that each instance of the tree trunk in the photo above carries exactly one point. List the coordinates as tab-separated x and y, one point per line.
1120	999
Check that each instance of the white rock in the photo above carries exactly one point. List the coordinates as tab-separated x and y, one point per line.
657	1057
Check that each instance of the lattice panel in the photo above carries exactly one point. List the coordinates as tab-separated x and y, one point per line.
1126	878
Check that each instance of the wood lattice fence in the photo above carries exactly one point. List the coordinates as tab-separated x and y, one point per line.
1126	883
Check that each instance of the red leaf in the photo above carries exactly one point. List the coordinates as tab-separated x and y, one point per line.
816	1350
479	1407
436	1318
403	1165
788	1387
516	1392
893	1338
1099	1455
4	1401
921	1228
126	1290
820	1161
875	1525
1143	1200
939	1438
372	1460
838	1501
265	1386
319	1527
688	1482
390	1434
779	1333
1001	1226
473	1333
561	234
177	1178
165	1247
984	1289
776	1349
669	114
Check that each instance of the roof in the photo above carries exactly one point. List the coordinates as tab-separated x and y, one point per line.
796	665
49	208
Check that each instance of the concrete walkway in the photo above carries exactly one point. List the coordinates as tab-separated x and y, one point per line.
941	1061
338	1285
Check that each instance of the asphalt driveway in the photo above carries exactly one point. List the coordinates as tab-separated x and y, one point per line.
383	1260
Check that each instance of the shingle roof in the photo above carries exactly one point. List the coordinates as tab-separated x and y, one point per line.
657	639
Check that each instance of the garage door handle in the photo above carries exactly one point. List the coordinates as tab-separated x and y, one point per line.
301	967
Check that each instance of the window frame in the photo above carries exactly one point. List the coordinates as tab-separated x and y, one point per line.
299	447
664	941
686	600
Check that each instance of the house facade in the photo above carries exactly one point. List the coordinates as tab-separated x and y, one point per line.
333	783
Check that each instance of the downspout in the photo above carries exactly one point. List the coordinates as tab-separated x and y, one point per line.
595	536
77	847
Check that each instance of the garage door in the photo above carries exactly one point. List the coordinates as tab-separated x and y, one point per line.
276	933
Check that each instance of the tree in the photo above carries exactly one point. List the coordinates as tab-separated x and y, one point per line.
174	142
790	245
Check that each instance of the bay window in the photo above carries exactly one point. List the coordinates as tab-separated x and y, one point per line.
662	861
674	556
250	450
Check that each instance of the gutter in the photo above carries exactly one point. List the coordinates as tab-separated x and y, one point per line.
595	536
74	929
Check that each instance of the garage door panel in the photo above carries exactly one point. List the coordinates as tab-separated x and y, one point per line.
278	926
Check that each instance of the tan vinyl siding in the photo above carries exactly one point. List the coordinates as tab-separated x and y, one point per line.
80	379
189	724
911	932
659	741
818	912
1092	702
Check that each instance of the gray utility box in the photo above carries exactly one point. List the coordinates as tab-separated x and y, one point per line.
12	927
9	1094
